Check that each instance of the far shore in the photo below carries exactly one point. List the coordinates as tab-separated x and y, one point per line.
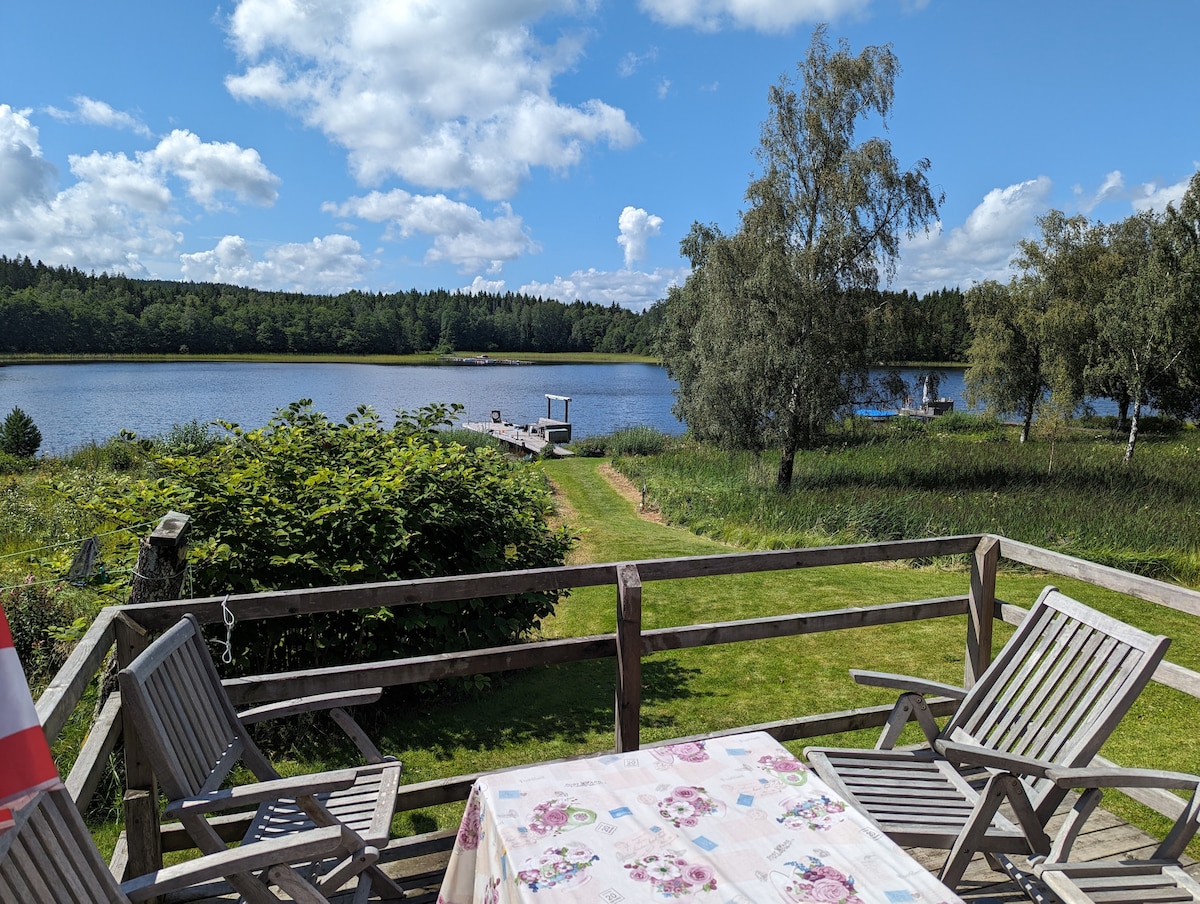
427	358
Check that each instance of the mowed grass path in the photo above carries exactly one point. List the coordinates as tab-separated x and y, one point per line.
565	710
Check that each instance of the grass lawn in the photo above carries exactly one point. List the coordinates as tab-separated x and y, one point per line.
565	710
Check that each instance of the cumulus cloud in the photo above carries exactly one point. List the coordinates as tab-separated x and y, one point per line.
212	167
461	234
98	113
1152	196
636	228
627	288
119	210
770	16
375	77
982	247
481	286
329	264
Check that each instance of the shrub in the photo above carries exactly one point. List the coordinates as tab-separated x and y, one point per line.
637	441
591	447
192	438
37	613
19	435
11	464
307	502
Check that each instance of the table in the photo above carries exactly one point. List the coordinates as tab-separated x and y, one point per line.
731	820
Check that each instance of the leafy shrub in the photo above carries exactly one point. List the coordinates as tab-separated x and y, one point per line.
637	441
472	439
591	447
308	502
37	613
19	435
11	464
192	438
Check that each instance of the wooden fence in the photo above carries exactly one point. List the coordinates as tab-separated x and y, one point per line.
129	628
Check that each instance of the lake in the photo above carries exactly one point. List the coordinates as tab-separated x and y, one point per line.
73	404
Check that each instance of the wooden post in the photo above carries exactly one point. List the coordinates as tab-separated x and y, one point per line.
161	566
162	561
629	658
981	609
142	838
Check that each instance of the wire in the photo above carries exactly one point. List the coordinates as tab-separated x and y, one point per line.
119	530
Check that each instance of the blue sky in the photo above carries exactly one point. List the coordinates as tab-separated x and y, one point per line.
556	147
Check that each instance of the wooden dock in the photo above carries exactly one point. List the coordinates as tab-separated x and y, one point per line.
526	438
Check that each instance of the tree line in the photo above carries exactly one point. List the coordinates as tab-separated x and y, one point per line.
60	310
1100	310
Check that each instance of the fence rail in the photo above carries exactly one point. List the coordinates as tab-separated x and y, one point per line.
127	628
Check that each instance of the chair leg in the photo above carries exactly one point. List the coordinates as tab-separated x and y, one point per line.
976	827
910	706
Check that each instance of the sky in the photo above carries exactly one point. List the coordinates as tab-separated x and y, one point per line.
560	148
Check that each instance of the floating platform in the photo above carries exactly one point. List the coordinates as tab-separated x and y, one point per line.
482	361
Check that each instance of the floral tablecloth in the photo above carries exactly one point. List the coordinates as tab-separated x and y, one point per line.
734	820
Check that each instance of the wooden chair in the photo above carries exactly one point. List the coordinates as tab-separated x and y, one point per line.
1157	879
1050	699
194	738
48	857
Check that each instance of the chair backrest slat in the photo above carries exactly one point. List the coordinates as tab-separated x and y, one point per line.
48	857
194	735
1058	687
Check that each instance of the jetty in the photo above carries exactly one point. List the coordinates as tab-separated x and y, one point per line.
530	438
482	361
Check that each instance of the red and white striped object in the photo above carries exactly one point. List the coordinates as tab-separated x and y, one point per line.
26	766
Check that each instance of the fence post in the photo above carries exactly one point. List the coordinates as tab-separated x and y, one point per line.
143	842
159	574
629	658
981	609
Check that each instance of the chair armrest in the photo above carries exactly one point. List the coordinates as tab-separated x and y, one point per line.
908	683
261	792
1116	777
334	702
958	752
310	845
313	703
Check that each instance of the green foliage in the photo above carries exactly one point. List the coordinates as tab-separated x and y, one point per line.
308	502
768	337
591	446
19	435
192	438
640	440
11	464
41	617
1140	516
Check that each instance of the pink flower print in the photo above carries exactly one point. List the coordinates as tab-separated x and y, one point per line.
671	875
814	883
684	806
555	817
813	813
558	815
691	752
468	829
785	768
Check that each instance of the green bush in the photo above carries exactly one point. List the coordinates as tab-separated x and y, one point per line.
192	438
19	435
308	502
591	447
11	464
37	614
636	441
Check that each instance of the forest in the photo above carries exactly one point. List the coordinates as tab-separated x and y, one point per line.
60	310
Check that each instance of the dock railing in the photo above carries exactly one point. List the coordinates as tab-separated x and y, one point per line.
129	628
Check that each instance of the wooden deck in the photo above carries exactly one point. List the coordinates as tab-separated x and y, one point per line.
420	862
517	438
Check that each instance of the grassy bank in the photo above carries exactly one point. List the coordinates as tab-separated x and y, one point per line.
963	476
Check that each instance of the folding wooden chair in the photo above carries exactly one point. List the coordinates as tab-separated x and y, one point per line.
1051	697
195	738
48	857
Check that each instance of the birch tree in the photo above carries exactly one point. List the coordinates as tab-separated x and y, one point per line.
768	337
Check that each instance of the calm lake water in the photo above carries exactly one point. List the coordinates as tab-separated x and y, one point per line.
73	404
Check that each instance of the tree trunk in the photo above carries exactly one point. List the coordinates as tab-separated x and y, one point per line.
1133	429
1027	423
1123	412
787	463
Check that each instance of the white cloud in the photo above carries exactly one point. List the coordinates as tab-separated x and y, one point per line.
632	62
628	288
1112	185
481	286
375	76
769	16
981	247
25	177
120	210
329	264
461	234
1152	196
636	227
212	167
98	113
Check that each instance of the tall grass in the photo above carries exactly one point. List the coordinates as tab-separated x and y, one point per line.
887	485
